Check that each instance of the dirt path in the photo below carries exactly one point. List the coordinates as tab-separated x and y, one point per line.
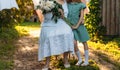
27	53
25	57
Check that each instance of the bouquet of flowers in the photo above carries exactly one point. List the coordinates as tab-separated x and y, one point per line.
46	5
50	6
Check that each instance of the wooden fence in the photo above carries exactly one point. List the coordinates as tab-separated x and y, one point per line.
111	16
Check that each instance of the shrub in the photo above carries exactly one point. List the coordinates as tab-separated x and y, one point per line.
9	18
93	20
26	8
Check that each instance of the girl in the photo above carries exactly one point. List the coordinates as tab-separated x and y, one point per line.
55	38
76	16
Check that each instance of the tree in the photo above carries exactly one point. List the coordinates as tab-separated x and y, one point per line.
11	17
26	8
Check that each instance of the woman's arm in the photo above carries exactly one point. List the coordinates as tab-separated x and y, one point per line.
80	20
40	15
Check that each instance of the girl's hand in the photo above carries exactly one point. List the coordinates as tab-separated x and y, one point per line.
74	27
82	21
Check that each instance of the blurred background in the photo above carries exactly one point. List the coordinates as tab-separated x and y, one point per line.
20	28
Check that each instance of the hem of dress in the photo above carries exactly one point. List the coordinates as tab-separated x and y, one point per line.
72	52
82	41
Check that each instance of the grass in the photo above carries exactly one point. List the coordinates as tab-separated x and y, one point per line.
26	27
6	65
59	65
8	37
108	50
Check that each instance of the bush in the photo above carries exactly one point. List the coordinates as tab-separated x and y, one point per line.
93	20
26	8
9	18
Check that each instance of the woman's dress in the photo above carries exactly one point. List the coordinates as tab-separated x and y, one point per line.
55	38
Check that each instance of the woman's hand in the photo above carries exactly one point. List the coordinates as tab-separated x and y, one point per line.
62	13
40	15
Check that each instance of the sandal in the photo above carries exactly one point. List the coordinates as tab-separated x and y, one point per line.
78	63
45	68
66	65
85	64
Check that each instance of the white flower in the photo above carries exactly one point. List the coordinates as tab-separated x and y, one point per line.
50	4
47	8
46	5
41	4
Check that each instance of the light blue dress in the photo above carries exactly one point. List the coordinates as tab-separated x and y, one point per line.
55	38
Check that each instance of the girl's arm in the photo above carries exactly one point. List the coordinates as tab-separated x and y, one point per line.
86	11
40	15
80	20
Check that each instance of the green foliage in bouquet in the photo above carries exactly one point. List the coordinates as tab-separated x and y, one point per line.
50	6
93	20
55	11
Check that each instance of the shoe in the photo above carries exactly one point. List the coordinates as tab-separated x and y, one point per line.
78	63
66	65
45	68
85	64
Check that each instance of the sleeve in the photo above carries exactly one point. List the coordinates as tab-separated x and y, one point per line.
36	3
83	6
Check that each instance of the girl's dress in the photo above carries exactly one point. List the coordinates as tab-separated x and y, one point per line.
7	4
80	34
55	38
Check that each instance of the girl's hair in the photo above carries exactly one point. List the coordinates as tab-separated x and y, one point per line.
69	1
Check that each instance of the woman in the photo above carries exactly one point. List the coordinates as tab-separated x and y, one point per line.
55	38
76	16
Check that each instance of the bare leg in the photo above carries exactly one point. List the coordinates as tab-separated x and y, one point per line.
46	67
85	45
78	54
86	52
66	63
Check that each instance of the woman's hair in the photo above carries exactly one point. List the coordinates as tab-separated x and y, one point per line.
69	1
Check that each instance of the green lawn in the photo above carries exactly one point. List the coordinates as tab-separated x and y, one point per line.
26	27
108	50
59	65
8	36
